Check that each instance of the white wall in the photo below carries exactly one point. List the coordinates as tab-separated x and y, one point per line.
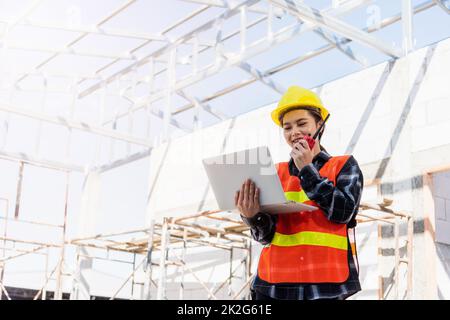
441	196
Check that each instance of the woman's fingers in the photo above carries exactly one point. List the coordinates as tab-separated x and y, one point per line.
248	196
304	144
256	196
247	199
301	145
240	197
246	190
252	194
299	150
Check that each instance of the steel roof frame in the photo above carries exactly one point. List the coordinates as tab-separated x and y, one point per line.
325	23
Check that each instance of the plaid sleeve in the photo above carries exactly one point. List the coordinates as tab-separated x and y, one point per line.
340	202
262	226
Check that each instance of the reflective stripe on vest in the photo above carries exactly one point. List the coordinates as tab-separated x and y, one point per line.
310	238
296	196
307	237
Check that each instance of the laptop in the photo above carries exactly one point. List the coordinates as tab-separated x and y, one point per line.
227	172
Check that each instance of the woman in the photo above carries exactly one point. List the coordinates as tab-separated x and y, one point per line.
306	255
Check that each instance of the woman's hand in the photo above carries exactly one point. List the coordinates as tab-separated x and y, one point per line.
301	154
247	199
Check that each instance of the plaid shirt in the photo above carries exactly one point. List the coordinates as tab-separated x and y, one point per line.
340	204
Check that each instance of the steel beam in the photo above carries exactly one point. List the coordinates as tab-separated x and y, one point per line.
314	16
443	4
407	28
123	161
110	32
386	22
168	29
227	14
224	4
156	113
25	158
219	115
76	125
262	77
341	46
24	15
82	36
282	35
71	51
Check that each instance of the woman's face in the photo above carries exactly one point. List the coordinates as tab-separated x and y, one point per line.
297	124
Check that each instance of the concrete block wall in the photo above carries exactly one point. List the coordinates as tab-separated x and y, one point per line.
441	196
441	183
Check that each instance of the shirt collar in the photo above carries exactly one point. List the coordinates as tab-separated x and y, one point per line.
318	160
321	156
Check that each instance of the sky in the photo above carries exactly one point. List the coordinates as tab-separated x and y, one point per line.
122	191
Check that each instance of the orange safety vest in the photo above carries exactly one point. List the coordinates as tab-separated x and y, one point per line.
306	247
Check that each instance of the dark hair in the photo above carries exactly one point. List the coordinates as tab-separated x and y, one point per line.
314	112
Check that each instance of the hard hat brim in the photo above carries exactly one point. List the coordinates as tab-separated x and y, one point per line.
275	114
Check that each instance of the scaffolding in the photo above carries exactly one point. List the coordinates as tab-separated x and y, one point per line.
196	230
178	231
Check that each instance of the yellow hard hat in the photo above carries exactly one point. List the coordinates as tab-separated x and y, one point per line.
297	96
